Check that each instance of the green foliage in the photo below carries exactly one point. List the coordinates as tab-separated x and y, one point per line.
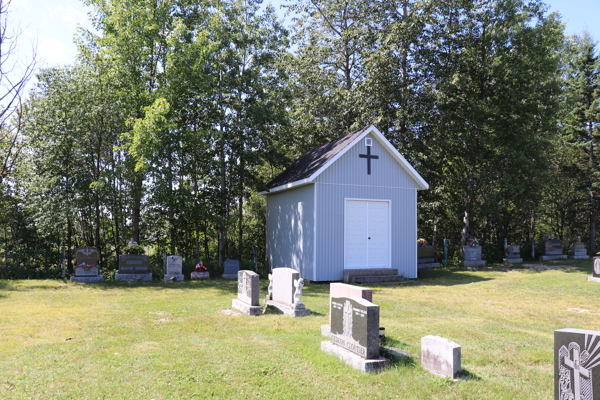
134	249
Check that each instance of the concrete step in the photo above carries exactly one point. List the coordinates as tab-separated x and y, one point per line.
349	273
375	278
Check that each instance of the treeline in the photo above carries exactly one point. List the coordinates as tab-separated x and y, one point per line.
178	112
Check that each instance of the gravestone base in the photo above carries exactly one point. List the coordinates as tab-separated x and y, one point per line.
133	277
354	360
200	275
326	330
579	257
287	310
230	276
553	257
512	260
87	279
174	278
428	265
472	263
592	279
245	308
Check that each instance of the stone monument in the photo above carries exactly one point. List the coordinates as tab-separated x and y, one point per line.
200	273
472	256
579	251
247	300
553	250
576	364
512	254
344	290
231	269
355	333
286	291
440	356
173	269
426	257
133	267
86	265
596	271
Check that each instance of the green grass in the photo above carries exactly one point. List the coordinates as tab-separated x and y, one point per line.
172	341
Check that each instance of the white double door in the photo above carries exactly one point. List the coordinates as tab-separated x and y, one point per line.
366	234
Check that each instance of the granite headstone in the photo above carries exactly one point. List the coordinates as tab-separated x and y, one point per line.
595	271
173	269
86	265
426	258
512	254
579	251
576	364
231	268
133	267
287	286
472	256
553	250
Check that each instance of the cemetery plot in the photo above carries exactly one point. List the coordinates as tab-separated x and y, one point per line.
579	251
285	289
86	265
231	268
173	269
133	267
553	250
472	256
248	289
512	254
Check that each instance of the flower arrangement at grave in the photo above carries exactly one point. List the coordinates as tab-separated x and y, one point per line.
134	249
200	267
85	266
422	242
472	241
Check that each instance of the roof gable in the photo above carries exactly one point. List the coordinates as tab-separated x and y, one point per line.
310	165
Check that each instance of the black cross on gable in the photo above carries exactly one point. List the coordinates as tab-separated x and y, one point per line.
368	156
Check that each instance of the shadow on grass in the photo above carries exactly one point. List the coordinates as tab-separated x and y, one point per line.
469	376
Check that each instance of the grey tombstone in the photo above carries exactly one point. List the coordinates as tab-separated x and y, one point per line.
579	251
426	257
512	254
440	356
355	333
287	288
173	269
344	290
133	267
596	271
248	293
576	364
86	265
472	256
553	250
231	268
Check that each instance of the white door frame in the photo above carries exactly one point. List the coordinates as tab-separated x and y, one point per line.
389	201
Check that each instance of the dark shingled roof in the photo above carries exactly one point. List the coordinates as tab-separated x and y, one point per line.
314	159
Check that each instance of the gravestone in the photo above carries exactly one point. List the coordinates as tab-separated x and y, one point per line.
344	290
173	269
248	293
576	364
286	291
355	333
472	257
232	268
512	254
553	250
133	267
86	265
579	251
440	356
426	258
596	271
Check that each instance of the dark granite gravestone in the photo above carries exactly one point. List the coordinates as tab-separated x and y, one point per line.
579	251
86	265
576	364
355	333
553	250
231	269
512	254
248	293
472	256
133	267
426	258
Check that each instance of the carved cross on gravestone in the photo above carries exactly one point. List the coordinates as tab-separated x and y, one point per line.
578	372
368	156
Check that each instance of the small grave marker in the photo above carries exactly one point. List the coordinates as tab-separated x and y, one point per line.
248	293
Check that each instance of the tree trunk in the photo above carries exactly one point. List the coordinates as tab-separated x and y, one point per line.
136	209
69	244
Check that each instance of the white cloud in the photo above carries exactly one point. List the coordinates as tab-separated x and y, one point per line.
54	52
71	15
44	22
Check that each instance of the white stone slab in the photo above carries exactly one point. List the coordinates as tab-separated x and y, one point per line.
245	308
283	285
440	356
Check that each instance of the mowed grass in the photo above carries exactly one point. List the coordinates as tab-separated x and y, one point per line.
114	340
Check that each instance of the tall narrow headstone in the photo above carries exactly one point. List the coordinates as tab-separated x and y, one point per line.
248	293
576	364
355	333
445	252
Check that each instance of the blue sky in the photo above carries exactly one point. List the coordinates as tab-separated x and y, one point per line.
53	23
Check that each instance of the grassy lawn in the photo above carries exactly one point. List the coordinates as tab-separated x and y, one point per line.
173	341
